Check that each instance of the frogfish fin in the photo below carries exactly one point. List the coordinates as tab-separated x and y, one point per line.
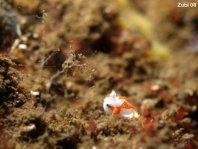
116	110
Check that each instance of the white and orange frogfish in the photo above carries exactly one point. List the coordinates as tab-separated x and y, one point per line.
119	105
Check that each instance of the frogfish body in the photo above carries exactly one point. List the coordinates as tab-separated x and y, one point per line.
119	105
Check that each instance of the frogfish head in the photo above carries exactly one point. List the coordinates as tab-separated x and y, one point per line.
111	101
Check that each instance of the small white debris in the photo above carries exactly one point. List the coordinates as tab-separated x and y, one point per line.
14	45
155	87
22	46
29	128
94	147
187	136
35	93
35	36
106	139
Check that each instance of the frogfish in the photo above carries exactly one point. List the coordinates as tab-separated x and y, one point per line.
120	106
